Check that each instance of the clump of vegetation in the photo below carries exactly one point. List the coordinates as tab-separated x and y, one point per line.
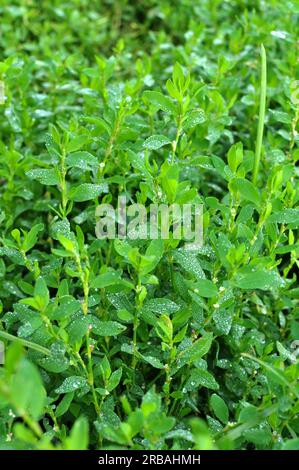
143	344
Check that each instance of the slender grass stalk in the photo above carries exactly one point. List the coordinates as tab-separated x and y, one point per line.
84	277
236	431
260	130
25	343
274	372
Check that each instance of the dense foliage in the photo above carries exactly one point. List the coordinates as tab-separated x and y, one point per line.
144	344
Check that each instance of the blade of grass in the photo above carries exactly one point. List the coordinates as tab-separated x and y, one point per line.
235	432
278	374
260	130
25	343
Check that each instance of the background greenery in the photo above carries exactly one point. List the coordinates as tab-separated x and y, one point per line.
142	345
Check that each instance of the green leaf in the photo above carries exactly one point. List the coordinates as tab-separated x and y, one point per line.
280	116
48	177
87	191
178	75
56	363
124	315
114	379
172	90
41	294
200	378
30	238
291	444
260	435
235	156
67	307
82	160
181	334
153	361
246	189
16	234
286	216
41	289
79	437
13	254
64	404
108	328
138	163
170	181
198	349
151	403
164	329
79	327
162	305
195	117
68	244
261	279
27	391
223	320
71	384
76	143
154	253
23	434
156	141
160	101
248	414
105	368
120	301
109	278
188	260
205	288
220	408
285	353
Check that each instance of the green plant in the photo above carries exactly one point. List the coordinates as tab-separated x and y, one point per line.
139	343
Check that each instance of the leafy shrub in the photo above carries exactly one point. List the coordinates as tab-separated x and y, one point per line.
141	344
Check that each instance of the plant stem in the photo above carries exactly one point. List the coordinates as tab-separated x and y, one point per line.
25	343
84	277
109	148
168	378
64	197
33	425
135	326
178	134
261	122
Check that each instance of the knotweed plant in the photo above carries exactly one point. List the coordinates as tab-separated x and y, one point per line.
149	342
